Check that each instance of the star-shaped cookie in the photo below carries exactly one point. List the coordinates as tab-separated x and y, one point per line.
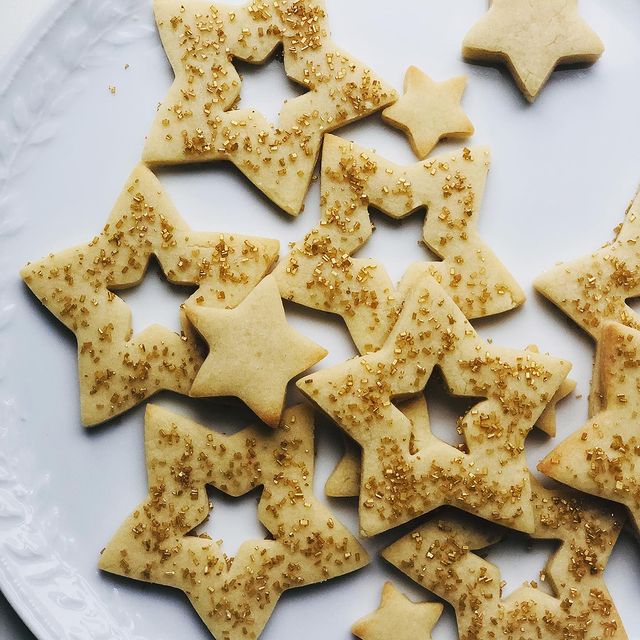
345	479
602	458
253	352
439	556
234	596
429	111
198	121
116	369
532	38
594	290
398	618
320	271
403	478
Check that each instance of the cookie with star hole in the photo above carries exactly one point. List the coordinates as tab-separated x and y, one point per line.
345	479
235	597
117	370
199	120
602	457
593	290
532	38
399	482
429	111
399	618
440	557
253	352
321	271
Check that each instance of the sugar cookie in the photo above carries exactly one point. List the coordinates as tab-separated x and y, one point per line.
118	370
439	556
197	121
234	596
601	458
253	352
398	618
532	38
399	482
429	111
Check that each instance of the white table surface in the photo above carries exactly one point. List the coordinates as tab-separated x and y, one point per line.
17	16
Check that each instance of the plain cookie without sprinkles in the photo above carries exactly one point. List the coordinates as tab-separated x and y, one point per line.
235	597
532	38
118	370
253	352
603	457
429	111
197	121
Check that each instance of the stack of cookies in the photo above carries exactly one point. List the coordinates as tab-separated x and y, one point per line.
236	341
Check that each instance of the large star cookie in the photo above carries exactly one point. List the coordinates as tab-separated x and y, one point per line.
403	478
320	271
234	596
594	289
345	480
118	370
439	556
603	457
253	352
532	38
398	618
197	121
429	111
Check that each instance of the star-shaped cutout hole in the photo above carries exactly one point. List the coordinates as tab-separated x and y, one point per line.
532	38
234	596
398	618
429	111
197	121
116	368
253	352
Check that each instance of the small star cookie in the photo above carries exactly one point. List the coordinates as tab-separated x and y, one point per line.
116	369
439	556
601	458
429	111
198	121
532	38
403	479
398	618
594	289
235	597
253	352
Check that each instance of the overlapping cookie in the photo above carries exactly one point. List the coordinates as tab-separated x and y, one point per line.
253	352
345	480
234	596
197	121
118	370
594	290
404	476
440	557
603	456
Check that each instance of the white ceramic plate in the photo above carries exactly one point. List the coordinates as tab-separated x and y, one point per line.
563	171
